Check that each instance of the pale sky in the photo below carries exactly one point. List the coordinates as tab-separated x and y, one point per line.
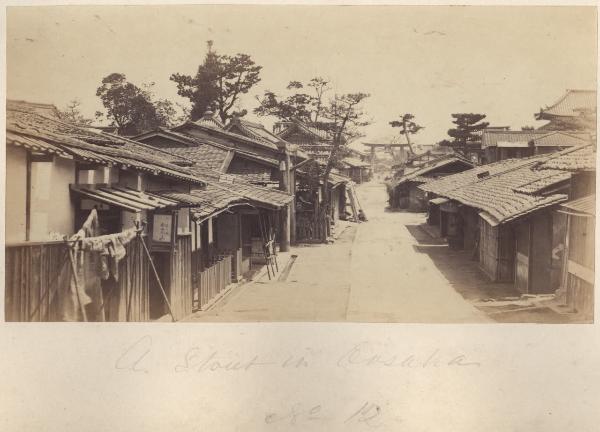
506	62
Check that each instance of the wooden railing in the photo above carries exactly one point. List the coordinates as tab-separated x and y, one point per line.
37	276
212	280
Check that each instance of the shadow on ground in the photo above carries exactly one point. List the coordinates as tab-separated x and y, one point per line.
463	273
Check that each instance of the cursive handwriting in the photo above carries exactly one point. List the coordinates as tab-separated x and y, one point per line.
196	360
366	414
131	358
297	413
363	354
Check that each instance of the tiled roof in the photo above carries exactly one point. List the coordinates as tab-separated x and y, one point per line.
125	198
574	159
221	136
252	172
335	179
561	139
468	177
48	110
209	153
211	120
498	189
355	162
432	165
205	155
27	126
572	103
491	138
33	144
538	185
498	198
288	127
205	202
253	130
422	179
585	205
217	196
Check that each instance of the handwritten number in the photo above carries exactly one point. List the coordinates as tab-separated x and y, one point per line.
365	414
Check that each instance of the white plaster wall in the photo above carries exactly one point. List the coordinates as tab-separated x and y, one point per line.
51	208
16	193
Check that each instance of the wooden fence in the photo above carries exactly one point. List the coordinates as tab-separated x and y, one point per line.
310	228
37	276
236	262
212	280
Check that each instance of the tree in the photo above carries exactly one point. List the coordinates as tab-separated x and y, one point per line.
345	118
218	83
407	127
128	107
72	114
307	107
465	131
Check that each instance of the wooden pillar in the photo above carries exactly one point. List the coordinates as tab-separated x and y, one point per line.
284	185
373	159
28	199
292	187
284	237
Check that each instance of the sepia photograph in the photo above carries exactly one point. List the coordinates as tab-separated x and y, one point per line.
269	163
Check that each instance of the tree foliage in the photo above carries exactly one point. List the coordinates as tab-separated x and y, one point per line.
407	127
131	108
72	113
465	132
306	101
218	84
345	116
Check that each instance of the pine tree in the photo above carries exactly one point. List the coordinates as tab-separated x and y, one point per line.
465	132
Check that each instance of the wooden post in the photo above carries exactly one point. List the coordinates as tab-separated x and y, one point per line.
162	290
565	270
373	159
284	185
28	199
284	239
292	187
76	281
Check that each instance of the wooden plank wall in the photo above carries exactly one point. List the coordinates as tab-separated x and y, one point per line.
180	288
506	254
130	299
580	296
488	249
37	278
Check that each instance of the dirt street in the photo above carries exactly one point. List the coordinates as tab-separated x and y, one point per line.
375	272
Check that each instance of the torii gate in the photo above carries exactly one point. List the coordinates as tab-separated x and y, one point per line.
386	146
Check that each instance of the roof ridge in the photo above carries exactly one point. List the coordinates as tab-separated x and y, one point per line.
225	132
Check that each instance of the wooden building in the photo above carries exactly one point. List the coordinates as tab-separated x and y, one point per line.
404	192
578	280
58	175
504	212
501	145
574	111
357	170
138	202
